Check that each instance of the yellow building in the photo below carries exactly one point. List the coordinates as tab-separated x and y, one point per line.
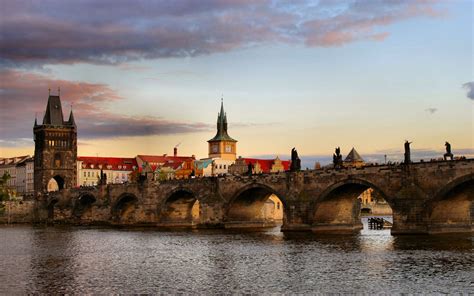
273	209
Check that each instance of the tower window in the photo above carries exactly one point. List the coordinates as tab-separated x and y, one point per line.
57	160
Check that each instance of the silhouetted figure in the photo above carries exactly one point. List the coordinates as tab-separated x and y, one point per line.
295	161
102	178
250	169
337	158
407	152
448	151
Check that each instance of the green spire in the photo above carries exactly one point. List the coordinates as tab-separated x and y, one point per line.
222	126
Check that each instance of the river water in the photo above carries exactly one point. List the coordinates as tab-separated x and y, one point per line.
89	260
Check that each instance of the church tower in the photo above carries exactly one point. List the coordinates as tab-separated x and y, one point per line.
55	149
222	145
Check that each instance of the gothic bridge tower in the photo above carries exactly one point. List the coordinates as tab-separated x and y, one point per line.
222	145
55	149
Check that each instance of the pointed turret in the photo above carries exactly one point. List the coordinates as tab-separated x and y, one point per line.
353	159
353	156
54	111
222	145
71	120
222	127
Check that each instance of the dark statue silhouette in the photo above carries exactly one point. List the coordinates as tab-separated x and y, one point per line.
295	161
407	152
250	169
448	151
337	158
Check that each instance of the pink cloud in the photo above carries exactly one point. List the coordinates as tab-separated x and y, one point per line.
116	32
24	93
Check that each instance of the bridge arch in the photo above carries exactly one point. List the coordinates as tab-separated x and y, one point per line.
451	208
56	183
124	209
337	208
181	207
83	206
256	205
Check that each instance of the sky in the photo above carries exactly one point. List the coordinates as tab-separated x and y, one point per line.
145	76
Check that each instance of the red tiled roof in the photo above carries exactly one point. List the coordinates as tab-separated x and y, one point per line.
174	165
108	163
163	158
13	160
266	164
160	160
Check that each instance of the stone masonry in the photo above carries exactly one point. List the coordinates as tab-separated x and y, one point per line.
426	197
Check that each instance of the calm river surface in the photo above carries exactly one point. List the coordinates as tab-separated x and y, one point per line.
102	260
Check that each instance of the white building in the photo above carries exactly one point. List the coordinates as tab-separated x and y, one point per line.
25	176
9	166
116	169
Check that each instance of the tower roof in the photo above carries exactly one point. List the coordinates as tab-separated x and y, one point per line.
71	120
222	127
54	113
353	156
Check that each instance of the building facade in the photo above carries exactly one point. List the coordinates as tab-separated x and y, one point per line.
55	149
259	166
116	170
13	166
164	167
24	176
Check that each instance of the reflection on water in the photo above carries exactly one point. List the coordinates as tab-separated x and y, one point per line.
101	260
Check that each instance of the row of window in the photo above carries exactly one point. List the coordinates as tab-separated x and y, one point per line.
57	143
108	166
93	174
220	166
56	135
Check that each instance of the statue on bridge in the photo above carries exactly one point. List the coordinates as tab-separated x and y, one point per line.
448	151
295	161
407	152
337	158
102	178
250	169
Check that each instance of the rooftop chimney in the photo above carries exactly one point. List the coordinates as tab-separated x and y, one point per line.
175	151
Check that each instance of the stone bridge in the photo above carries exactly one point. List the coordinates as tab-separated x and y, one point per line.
425	197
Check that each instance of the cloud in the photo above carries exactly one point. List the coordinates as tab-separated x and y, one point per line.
35	33
431	110
469	86
22	94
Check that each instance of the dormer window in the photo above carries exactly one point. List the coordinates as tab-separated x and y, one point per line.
92	166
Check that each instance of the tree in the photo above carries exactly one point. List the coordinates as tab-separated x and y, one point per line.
4	190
